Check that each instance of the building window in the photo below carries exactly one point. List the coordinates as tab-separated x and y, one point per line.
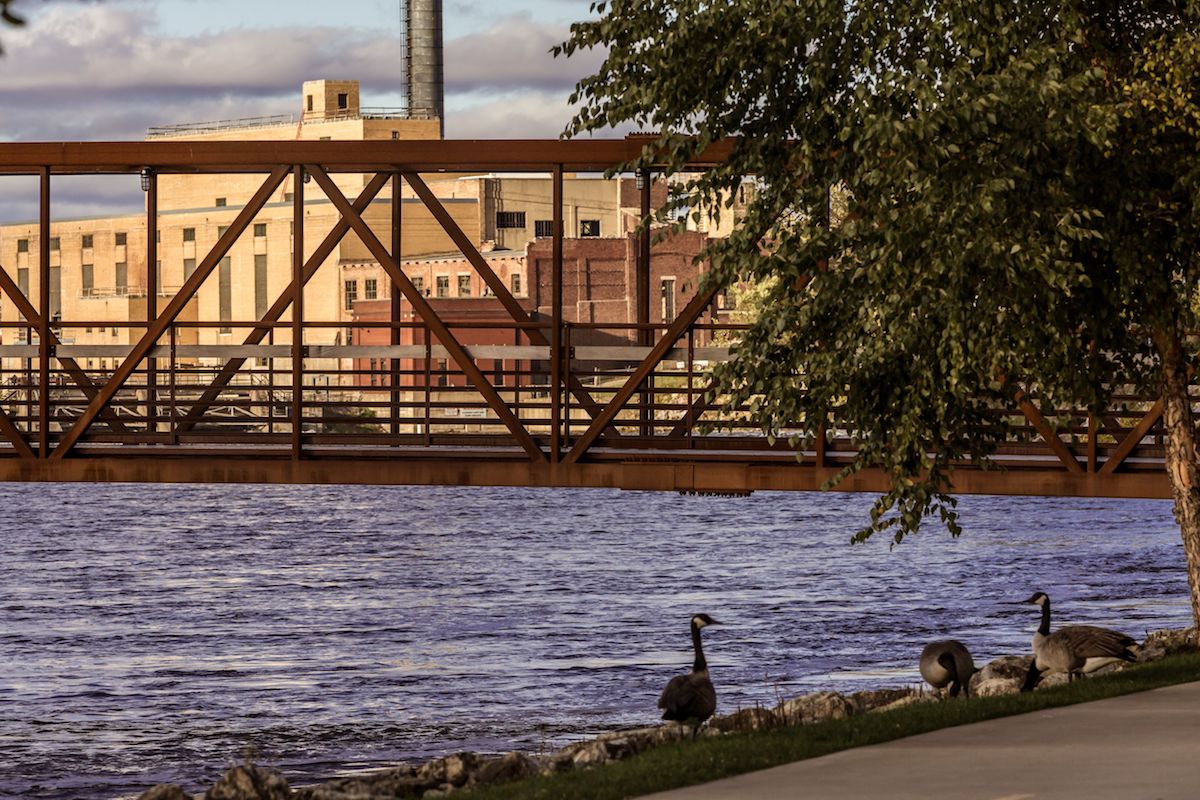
22	245
370	289
225	292
122	278
668	299
54	243
543	228
221	230
308	99
443	285
189	266
418	282
113	332
343	100
510	219
221	202
464	285
56	291
88	240
260	230
23	280
158	236
395	134
89	279
121	238
260	285
589	227
289	197
351	294
514	281
189	234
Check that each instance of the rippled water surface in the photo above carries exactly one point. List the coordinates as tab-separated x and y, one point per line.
152	633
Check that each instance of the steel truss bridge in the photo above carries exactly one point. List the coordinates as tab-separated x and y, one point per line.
548	411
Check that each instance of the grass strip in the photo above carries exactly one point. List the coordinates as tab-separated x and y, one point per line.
671	766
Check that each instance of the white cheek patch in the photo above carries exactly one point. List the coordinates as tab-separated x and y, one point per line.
699	623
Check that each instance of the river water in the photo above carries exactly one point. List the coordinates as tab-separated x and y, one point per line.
153	633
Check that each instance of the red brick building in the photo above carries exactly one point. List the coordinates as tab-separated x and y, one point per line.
599	296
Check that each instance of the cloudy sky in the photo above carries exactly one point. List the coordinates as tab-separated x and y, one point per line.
109	69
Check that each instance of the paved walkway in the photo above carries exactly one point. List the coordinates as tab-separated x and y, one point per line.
1136	747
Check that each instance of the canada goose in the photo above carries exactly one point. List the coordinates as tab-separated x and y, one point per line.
1074	649
690	699
948	662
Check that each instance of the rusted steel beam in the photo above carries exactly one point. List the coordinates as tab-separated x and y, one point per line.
502	293
682	322
489	469
275	312
69	365
425	311
151	296
556	319
463	155
1127	445
14	435
394	305
1043	428
164	320
297	314
44	346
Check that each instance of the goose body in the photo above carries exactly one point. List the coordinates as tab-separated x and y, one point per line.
1073	649
691	699
948	663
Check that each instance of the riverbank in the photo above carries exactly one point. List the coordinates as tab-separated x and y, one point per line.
641	761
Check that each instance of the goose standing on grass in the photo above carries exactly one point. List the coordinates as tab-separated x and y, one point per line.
1073	649
948	663
691	699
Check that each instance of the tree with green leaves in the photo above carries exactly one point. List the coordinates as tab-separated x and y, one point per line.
1021	211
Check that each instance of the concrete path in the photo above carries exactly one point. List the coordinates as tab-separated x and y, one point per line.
1137	747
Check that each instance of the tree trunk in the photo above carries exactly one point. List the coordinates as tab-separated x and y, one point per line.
1182	467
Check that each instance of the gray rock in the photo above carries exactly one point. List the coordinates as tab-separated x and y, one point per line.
748	719
250	783
877	698
810	708
903	702
165	791
1160	644
389	783
1006	675
509	767
456	770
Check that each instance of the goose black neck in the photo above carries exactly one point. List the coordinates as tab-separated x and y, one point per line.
1044	630
699	665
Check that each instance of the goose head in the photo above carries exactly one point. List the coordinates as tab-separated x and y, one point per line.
1037	599
703	620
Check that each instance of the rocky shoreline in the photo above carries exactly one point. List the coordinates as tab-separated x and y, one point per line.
443	776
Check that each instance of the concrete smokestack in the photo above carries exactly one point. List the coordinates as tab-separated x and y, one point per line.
423	59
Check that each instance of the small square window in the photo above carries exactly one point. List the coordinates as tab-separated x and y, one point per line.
221	229
121	238
22	245
55	243
543	228
221	202
189	234
418	282
589	227
260	229
464	285
443	285
370	289
343	100
88	240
